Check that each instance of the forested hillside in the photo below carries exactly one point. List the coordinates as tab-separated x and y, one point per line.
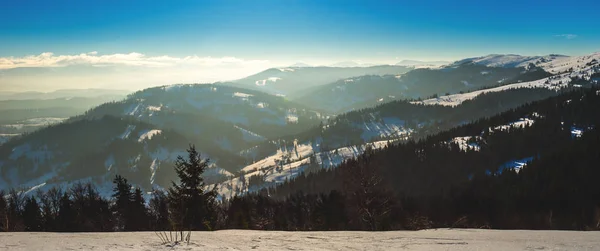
531	167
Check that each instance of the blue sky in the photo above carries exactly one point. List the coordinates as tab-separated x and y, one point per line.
128	44
300	30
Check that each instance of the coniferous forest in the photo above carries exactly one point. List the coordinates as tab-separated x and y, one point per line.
532	167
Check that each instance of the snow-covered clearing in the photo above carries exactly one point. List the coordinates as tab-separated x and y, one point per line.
464	145
288	163
128	131
436	239
457	99
148	134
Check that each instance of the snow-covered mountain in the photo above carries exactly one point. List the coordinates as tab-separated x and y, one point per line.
20	116
351	64
366	91
63	94
228	116
568	72
147	131
349	135
554	64
293	81
95	150
300	64
419	63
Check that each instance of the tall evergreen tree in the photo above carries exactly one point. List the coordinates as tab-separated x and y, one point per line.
66	214
159	210
32	215
138	211
122	199
3	212
191	206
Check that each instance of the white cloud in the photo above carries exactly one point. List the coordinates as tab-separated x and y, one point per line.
567	36
48	59
119	71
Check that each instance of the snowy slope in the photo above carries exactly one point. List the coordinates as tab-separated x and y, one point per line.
556	82
289	162
143	154
551	63
233	118
508	60
289	81
366	91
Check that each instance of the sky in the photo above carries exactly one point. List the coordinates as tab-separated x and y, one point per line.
133	44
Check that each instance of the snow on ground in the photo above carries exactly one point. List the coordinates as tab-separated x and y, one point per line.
36	187
385	128
289	162
264	82
457	99
522	122
463	143
561	67
4	137
34	122
148	134
109	162
132	110
576	132
242	95
249	135
153	168
516	165
128	131
154	108
502	60
550	63
291	118
43	121
434	239
163	154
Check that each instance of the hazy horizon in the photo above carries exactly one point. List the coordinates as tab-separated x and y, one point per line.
137	44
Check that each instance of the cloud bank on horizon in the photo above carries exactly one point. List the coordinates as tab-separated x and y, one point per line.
49	59
131	71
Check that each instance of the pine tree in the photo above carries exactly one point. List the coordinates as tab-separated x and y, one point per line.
191	207
66	214
159	210
3	212
139	213
121	207
32	217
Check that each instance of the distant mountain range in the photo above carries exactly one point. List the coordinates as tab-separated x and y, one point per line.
408	62
295	80
280	121
65	94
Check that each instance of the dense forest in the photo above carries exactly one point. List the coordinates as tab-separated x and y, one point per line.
436	181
